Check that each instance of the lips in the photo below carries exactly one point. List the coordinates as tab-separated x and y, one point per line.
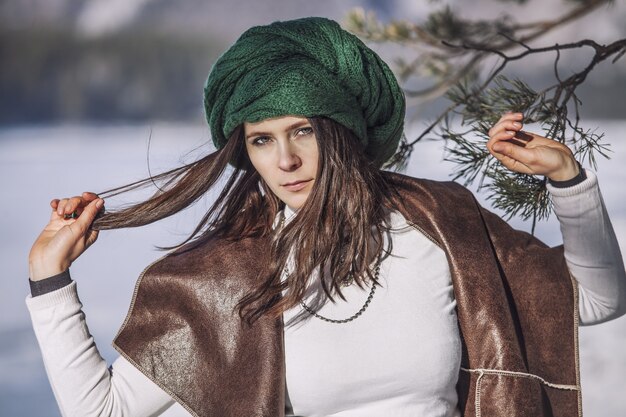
296	185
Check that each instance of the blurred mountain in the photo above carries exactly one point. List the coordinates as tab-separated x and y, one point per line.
70	60
223	19
130	60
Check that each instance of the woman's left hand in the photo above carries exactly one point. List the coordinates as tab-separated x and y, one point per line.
529	153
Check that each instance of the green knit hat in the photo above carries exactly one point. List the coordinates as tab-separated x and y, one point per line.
306	67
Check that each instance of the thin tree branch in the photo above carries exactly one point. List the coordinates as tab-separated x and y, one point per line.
602	53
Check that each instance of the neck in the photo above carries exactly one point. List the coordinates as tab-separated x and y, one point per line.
289	211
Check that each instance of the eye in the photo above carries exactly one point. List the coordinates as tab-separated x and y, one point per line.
303	131
260	140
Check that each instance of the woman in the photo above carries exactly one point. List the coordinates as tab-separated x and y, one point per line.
320	285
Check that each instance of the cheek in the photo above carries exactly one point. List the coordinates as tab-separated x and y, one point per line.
262	165
313	160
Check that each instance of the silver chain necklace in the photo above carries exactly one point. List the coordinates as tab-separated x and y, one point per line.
348	281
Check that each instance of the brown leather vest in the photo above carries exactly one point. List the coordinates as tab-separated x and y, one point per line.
516	305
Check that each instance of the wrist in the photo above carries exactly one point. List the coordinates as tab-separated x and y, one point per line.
41	272
571	170
582	176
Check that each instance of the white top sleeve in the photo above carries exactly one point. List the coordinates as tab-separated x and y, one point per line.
82	383
591	250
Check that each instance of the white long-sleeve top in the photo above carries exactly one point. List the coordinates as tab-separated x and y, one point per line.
400	357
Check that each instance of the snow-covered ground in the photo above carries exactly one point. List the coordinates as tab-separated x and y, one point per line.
40	163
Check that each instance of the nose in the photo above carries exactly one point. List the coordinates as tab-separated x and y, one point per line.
288	159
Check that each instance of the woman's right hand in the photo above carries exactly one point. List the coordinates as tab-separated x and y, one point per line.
64	239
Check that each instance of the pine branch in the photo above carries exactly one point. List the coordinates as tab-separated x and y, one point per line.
453	50
443	27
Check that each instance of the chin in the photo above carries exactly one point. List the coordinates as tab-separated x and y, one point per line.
295	203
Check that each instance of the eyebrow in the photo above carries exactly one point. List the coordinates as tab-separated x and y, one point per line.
288	128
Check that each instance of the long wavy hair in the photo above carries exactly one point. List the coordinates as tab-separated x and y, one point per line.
339	229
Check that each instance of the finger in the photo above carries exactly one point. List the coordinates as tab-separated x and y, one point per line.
89	213
524	137
74	206
510	157
520	137
537	140
506	135
510	116
515	152
507	124
89	196
61	206
55	207
82	201
503	135
513	164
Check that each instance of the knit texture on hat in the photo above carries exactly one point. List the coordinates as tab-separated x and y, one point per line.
307	67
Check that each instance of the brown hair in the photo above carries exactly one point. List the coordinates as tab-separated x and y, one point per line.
339	228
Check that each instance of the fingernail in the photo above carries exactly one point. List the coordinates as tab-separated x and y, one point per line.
99	203
517	124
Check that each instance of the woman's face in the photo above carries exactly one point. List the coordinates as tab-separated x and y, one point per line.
284	152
